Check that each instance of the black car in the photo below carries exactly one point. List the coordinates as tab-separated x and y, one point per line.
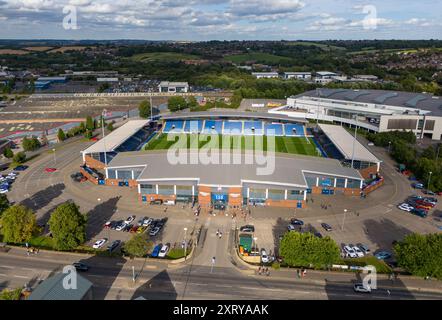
21	168
247	228
113	245
127	228
296	222
326	226
115	224
158	201
80	266
318	234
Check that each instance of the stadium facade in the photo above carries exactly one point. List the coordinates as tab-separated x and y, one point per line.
374	110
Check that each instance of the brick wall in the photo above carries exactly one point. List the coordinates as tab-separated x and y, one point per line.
367	172
204	200
235	196
92	163
284	203
88	176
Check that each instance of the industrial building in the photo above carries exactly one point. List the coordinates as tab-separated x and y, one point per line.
298	75
265	75
170	87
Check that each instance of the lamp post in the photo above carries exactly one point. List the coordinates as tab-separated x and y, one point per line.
254	239
104	135
343	220
389	146
185	244
151	107
55	157
429	179
354	142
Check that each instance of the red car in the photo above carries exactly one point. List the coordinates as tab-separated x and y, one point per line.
94	139
425	203
133	229
50	169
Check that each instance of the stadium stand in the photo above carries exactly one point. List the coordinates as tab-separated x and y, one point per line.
233	127
135	142
193	126
273	129
173	126
253	128
213	127
294	130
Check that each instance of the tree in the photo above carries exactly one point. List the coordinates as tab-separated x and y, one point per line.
192	103
144	109
90	124
110	126
304	249
138	245
31	144
61	135
176	103
19	157
8	153
4	203
7	294
68	226
421	255
19	224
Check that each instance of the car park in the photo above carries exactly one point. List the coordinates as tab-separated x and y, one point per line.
359	287
364	248
156	250
349	252
326	226
129	219
405	207
358	251
382	255
80	266
247	228
114	245
163	251
99	243
419	206
264	256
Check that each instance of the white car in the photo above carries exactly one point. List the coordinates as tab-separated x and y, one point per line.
370	144
359	287
120	226
264	256
4	191
350	252
129	219
358	251
99	243
163	251
405	207
147	222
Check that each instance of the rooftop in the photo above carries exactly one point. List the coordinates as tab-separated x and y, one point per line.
168	83
422	101
230	114
117	137
343	140
288	169
52	289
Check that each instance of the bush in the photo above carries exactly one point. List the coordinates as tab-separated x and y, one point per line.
19	157
276	265
19	224
8	153
31	144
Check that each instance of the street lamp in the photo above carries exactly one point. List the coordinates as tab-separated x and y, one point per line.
354	142
343	220
185	244
389	145
55	157
429	179
104	135
254	239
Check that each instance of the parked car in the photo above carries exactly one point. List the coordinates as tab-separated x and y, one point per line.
318	234
429	192
292	227
264	256
133	229
382	255
50	169
163	251
405	207
107	225
99	243
3	191
419	212
359	287
113	245
430	200
154	231
127	228
140	222
417	185
425	203
247	228
121	226
21	168
349	252
364	248
141	229
358	251
415	205
296	222
156	250
129	219
147	222
80	266
156	202
326	226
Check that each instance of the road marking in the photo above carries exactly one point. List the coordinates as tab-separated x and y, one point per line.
21	277
7	267
3	275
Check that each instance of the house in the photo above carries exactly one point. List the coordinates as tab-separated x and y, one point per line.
298	75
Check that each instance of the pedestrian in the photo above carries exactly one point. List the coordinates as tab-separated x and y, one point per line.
217	232
259	271
298	273
220	235
388	292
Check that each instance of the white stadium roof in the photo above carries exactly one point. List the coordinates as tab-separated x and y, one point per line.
343	140
117	137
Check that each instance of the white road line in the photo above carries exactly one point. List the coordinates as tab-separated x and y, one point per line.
7	267
3	275
21	277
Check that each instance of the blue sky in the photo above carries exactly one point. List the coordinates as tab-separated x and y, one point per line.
222	19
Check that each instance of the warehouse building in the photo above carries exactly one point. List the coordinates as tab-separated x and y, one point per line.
265	75
298	75
171	87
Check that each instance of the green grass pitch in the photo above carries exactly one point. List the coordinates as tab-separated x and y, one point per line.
293	145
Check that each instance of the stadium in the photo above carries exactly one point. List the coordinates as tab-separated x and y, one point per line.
303	160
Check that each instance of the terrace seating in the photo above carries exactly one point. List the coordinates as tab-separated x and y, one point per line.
212	127
193	126
273	129
174	126
253	128
233	127
294	130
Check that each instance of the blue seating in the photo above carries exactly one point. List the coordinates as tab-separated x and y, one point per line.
174	126
253	128
232	127
193	126
273	129
213	127
294	130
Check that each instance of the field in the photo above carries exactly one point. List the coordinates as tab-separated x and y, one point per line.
319	45
38	49
293	145
70	48
258	57
13	51
163	56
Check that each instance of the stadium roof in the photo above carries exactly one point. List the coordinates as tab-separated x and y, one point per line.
231	114
117	137
52	289
423	101
288	169
343	140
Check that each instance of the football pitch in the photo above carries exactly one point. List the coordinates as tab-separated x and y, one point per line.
293	145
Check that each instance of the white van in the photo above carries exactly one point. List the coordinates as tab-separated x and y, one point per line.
169	202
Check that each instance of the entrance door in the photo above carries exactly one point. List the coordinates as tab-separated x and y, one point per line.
220	200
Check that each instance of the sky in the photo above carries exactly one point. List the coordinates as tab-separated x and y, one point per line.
200	20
